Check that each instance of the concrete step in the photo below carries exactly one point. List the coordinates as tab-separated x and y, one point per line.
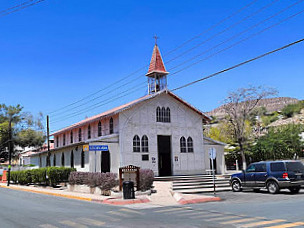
186	177
199	183
201	180
194	187
203	190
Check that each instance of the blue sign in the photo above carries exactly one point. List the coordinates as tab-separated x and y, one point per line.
98	148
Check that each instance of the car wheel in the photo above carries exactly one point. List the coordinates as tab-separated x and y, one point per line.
273	187
295	189
236	186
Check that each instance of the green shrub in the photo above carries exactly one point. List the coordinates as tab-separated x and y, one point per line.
291	109
14	176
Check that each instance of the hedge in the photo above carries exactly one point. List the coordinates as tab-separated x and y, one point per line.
146	177
48	176
104	181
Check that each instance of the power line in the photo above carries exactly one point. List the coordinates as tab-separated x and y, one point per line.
238	65
19	7
223	31
212	27
230	27
231	38
180	46
75	113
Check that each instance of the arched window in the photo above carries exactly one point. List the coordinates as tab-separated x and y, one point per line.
89	131
62	160
79	135
162	115
111	126
144	144
158	114
72	159
99	129
168	117
136	144
190	145
82	159
183	147
54	160
71	137
64	139
57	141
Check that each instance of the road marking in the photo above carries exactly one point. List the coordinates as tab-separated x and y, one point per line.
288	225
89	221
222	218
72	224
119	214
131	211
206	215
47	226
263	223
109	218
170	209
238	221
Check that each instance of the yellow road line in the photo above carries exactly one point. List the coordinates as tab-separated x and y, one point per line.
46	193
222	218
72	224
288	225
131	211
238	221
263	223
88	221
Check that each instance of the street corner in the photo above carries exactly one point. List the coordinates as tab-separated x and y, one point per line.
194	198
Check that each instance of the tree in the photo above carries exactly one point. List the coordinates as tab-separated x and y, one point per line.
282	142
26	129
238	106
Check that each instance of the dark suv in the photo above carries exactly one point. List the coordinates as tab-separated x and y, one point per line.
274	175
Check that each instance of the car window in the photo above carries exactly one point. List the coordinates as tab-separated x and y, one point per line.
295	167
277	166
260	167
250	169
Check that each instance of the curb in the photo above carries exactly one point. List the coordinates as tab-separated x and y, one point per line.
181	199
112	201
192	201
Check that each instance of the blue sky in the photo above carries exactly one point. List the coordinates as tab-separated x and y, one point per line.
59	51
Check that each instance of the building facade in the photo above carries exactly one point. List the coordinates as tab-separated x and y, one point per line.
159	131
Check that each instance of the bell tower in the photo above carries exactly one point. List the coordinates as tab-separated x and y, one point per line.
157	74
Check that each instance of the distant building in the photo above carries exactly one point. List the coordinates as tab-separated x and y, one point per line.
159	131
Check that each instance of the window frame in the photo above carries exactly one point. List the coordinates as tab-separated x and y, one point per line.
79	135
190	148
63	140
89	132
99	133
145	144
111	126
136	144
183	144
82	165
71	137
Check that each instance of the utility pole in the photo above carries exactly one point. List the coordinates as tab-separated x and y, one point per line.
10	147
48	140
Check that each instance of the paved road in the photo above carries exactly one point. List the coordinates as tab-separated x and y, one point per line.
246	209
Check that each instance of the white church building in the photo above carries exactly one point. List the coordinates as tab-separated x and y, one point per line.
159	131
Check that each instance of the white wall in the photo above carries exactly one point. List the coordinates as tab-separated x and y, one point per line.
141	120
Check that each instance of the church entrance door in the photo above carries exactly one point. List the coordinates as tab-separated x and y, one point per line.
164	155
105	161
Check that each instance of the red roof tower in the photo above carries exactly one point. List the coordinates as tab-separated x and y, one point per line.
157	74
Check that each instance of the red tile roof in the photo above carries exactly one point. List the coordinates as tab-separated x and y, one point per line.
156	64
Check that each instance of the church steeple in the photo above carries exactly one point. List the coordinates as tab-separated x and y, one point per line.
157	74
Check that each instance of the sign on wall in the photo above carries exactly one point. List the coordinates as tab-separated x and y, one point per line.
95	147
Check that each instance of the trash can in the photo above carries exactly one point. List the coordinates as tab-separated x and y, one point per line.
128	190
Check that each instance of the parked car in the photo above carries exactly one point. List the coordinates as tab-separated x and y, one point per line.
274	175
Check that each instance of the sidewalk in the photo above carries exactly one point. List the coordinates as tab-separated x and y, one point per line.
163	196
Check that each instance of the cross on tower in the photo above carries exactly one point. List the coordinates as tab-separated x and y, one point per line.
155	37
